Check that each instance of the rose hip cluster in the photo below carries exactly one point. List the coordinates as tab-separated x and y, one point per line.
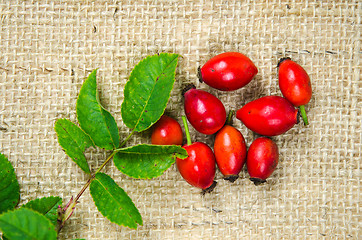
267	116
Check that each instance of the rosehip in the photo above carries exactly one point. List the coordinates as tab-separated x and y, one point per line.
294	83
268	116
205	112
230	151
166	131
262	159
228	71
198	169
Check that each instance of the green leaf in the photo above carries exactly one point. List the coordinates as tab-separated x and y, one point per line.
113	202
47	206
9	186
74	141
97	122
24	224
147	161
147	91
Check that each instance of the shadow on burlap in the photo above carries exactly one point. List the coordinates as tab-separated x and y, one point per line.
47	50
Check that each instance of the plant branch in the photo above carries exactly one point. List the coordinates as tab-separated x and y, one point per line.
69	209
124	141
105	163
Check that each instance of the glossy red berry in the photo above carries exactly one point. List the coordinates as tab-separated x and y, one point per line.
228	71
198	169
268	116
230	152
262	159
205	112
166	131
294	83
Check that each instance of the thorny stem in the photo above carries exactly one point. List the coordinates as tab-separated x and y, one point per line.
304	115
188	137
69	208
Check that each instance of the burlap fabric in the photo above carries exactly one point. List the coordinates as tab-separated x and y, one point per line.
48	48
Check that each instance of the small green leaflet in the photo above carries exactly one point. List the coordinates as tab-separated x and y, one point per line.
47	206
147	161
113	202
97	122
147	91
24	224
9	186
74	141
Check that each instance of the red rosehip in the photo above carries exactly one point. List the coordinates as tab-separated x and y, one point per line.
262	159
198	169
166	131
205	112
268	116
228	71
294	83
230	152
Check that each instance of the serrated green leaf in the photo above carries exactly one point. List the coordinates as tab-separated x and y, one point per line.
147	91
97	122
74	142
47	206
113	202
9	186
24	224
147	161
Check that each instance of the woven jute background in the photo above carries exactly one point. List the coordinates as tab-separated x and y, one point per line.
47	48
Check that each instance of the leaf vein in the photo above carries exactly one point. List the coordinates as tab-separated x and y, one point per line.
119	204
150	95
71	137
107	127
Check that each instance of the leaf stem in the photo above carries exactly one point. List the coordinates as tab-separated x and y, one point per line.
113	153
304	115
69	209
188	137
229	120
127	138
105	163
